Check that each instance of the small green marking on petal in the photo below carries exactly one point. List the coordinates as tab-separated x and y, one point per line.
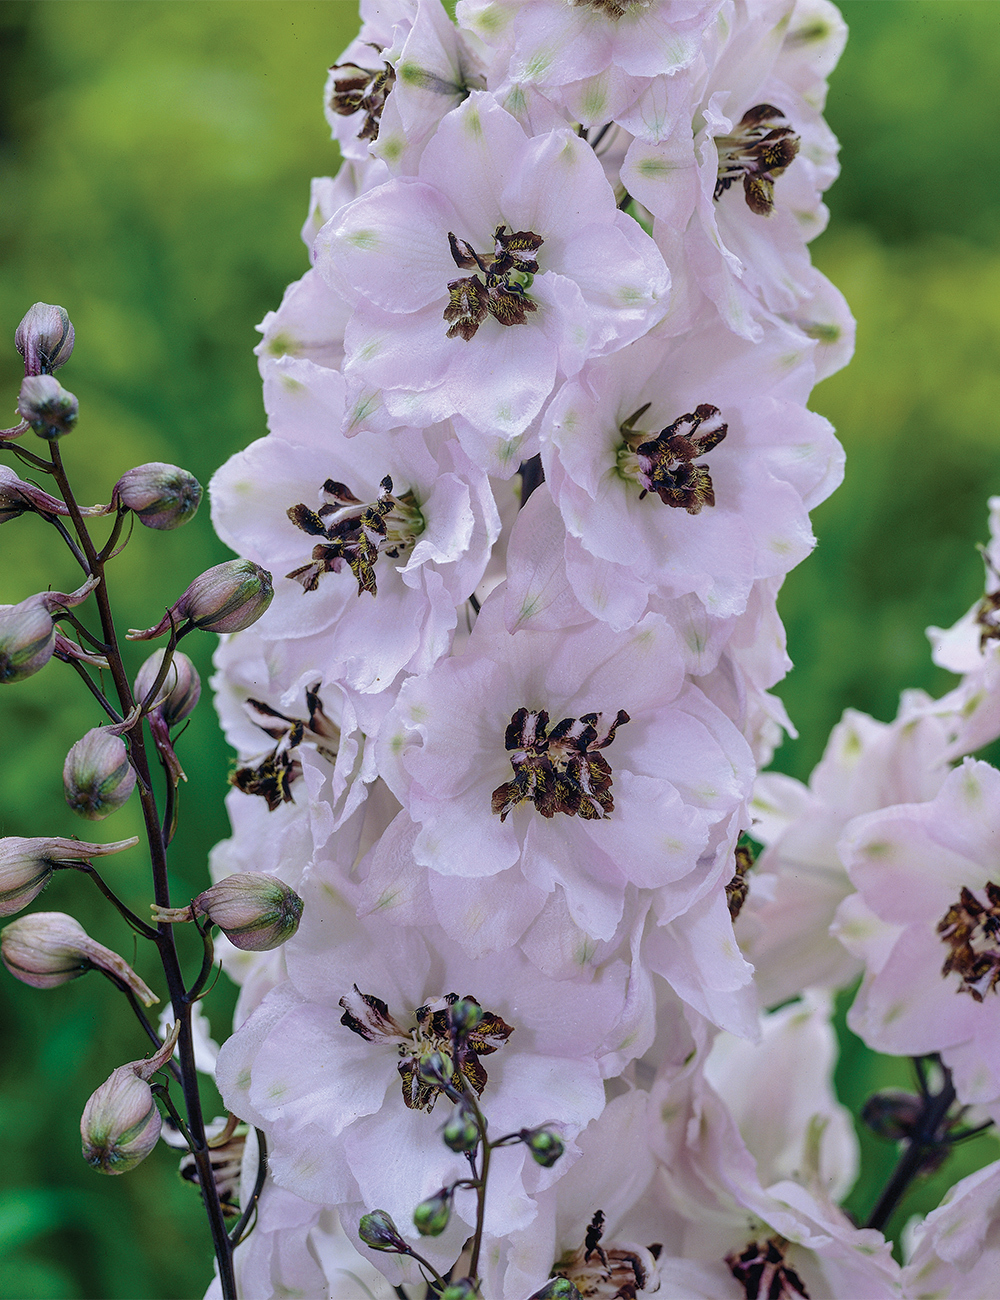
292	385
281	344
366	239
655	168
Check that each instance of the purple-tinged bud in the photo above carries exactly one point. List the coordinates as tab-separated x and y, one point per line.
97	775
49	409
50	948
161	496
255	912
27	631
432	1215
44	338
180	690
18	497
226	598
26	865
121	1124
893	1114
378	1231
546	1147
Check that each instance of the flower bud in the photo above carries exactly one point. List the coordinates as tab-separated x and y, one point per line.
545	1146
44	338
465	1016
180	690
50	948
97	776
378	1231
27	631
18	497
461	1132
893	1114
49	409
226	598
162	496
460	1290
255	912
431	1216
26	865
120	1124
436	1068
560	1288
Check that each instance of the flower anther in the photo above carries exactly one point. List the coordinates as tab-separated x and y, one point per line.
273	776
356	533
763	1273
665	464
360	88
616	1272
432	1034
500	288
760	149
558	770
972	933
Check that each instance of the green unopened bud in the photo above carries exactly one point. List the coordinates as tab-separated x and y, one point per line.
465	1015
436	1068
460	1290
45	338
97	775
560	1288
26	865
161	496
545	1146
461	1132
255	912
180	690
50	948
431	1216
378	1231
120	1124
226	598
48	408
27	631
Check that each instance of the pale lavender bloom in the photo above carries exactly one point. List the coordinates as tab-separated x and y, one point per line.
928	873
402	525
955	1251
428	340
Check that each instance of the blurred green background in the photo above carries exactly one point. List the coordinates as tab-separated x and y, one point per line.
154	165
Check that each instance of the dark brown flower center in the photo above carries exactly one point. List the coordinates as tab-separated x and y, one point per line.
760	148
739	887
432	1032
763	1273
558	770
971	931
357	89
612	8
616	1272
357	533
664	464
499	290
273	776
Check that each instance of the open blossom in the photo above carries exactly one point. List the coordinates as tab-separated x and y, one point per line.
578	759
373	541
956	1252
928	872
328	1064
503	263
687	465
799	881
